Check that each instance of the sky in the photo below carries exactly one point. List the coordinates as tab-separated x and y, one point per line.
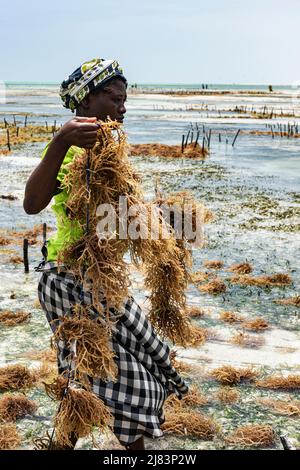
155	41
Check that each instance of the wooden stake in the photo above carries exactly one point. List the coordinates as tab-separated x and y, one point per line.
187	138
25	255
44	232
209	137
235	137
182	143
285	443
8	140
196	141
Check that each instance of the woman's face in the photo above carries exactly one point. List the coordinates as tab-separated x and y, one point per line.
107	102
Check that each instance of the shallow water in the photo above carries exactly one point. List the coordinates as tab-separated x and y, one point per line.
253	190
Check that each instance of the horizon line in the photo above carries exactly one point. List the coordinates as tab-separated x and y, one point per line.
11	82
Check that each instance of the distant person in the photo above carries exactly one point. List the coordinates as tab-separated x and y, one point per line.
96	91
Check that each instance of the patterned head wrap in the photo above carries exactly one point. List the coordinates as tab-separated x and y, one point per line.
89	76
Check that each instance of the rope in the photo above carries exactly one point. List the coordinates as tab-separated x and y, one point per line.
81	295
88	177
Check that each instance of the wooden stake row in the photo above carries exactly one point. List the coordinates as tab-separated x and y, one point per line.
283	130
206	136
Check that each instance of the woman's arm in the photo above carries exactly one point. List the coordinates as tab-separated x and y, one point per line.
42	183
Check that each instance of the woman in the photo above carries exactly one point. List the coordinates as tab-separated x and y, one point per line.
97	91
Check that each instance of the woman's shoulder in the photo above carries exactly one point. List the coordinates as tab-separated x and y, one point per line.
69	157
73	150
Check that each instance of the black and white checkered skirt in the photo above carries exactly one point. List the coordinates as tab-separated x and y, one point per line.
146	376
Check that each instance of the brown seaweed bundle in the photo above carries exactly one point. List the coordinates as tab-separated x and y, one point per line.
241	268
15	377
197	336
229	375
78	412
9	436
184	214
277	382
200	276
80	409
111	176
192	399
227	395
4	241
166	278
215	264
257	324
167	261
289	408
230	317
15	406
101	259
103	176
272	280
167	283
9	318
31	235
195	312
102	262
16	259
294	301
188	422
216	286
171	151
45	371
57	388
253	435
94	356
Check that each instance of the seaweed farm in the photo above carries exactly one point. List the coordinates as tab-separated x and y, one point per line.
234	149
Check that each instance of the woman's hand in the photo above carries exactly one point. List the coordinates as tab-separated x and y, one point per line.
79	131
42	183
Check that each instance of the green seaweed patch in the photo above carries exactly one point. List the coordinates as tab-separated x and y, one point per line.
254	224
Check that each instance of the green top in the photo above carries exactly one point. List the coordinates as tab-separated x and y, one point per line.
68	231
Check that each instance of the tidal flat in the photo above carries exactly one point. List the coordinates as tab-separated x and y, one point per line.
252	188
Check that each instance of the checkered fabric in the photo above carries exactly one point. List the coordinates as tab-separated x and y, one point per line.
146	376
